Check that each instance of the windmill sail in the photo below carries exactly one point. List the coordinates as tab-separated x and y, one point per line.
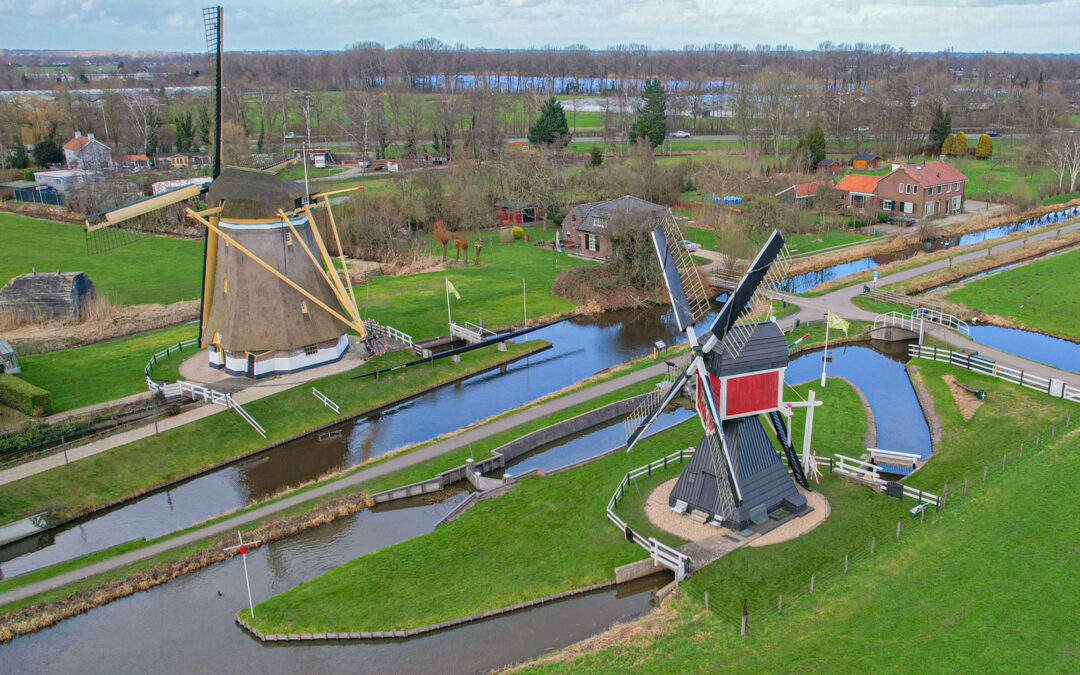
685	288
212	26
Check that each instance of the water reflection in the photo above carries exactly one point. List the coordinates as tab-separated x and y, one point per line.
1052	351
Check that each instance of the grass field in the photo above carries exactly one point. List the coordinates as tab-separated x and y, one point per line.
151	270
1038	294
104	371
934	597
490	292
109	476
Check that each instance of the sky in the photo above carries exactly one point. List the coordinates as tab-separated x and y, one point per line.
173	25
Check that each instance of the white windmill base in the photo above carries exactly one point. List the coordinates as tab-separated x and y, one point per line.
278	362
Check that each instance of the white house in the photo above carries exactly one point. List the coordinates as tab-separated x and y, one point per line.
87	152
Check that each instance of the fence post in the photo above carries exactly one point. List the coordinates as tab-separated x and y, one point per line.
873	540
1003	462
984	473
922	516
1053	429
898	529
743	617
965	487
812	577
1037	438
706	601
1021	451
845	563
780	603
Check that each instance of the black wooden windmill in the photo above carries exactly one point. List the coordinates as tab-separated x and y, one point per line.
735	476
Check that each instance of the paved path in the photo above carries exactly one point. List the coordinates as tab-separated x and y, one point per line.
840	302
251	393
381	469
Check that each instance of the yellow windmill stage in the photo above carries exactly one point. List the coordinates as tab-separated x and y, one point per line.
272	300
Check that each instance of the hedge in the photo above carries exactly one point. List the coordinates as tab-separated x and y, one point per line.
23	396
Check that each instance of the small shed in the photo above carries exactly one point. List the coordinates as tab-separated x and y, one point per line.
9	361
518	213
829	166
50	296
865	161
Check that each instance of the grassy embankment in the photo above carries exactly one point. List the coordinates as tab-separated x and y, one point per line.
413	473
1038	295
490	292
548	534
150	270
103	371
110	476
963	575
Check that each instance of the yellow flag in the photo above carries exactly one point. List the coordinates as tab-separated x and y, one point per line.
837	322
450	288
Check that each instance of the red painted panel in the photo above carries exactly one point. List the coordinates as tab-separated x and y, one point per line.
752	393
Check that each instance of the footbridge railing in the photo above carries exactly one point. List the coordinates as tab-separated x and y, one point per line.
198	392
980	364
914	321
673	559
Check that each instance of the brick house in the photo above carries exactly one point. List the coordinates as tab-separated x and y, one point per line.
87	152
802	194
589	225
859	191
919	191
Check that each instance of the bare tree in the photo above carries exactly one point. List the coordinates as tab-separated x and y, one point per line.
1064	156
143	120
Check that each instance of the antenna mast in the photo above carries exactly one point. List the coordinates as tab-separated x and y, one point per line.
212	25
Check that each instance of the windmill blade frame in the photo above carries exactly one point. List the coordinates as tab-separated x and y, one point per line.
672	392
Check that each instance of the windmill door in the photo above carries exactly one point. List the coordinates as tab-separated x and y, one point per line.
708	493
251	365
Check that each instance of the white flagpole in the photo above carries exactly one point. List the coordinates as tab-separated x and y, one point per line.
524	304
247	582
446	287
825	354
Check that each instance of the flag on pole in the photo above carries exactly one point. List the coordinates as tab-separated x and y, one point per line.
837	322
450	288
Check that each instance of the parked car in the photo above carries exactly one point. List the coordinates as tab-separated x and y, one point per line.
992	134
690	246
862	129
680	134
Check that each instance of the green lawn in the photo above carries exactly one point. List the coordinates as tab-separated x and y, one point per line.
490	292
104	371
150	270
977	569
1038	294
104	478
804	243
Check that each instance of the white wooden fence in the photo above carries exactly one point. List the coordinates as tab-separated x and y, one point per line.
871	473
198	392
325	400
169	351
469	332
404	338
675	560
979	364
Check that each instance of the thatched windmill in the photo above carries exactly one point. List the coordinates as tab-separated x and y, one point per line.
272	300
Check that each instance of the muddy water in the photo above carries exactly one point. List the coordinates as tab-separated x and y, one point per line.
808	281
186	626
580	348
882	378
1052	351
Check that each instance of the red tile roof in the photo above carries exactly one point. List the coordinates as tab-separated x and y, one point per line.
857	182
77	143
134	158
804	190
933	173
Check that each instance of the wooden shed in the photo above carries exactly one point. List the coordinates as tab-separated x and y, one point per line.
518	213
49	296
865	161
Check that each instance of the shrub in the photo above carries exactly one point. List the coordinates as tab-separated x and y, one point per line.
985	147
518	232
23	396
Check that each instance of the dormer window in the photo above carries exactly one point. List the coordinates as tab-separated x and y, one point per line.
599	222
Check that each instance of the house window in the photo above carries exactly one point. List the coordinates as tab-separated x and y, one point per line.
592	242
902	186
956	203
225	286
311	350
288	238
914	189
887	205
599	222
303	307
909	207
858	201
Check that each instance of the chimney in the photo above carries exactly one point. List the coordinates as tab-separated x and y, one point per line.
91	136
78	134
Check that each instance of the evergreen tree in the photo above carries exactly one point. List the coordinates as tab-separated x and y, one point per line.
815	145
206	126
185	132
19	158
550	127
47	151
947	144
596	156
985	147
941	127
651	122
959	146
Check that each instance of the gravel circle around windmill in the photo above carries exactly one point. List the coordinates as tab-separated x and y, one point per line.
660	514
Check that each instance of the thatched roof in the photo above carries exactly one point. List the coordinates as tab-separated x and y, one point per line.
250	193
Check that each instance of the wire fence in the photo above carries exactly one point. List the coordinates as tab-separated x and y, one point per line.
749	612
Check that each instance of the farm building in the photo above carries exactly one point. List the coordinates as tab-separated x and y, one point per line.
49	296
133	163
588	225
182	160
518	213
802	194
65	180
865	161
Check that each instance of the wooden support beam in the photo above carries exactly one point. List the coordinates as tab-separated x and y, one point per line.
271	270
349	307
341	255
311	256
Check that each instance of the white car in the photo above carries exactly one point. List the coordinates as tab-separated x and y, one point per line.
690	246
680	134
